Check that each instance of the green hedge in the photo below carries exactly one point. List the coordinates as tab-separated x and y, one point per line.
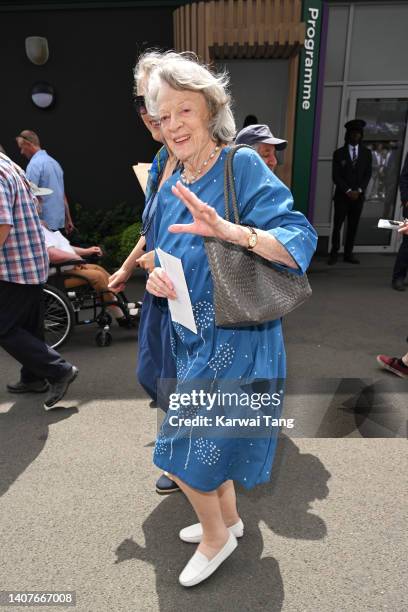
118	247
114	230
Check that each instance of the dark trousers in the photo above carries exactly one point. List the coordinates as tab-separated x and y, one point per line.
401	263
22	333
350	209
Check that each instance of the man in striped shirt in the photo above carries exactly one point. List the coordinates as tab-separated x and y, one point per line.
23	270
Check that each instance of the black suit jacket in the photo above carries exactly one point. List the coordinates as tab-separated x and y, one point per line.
346	177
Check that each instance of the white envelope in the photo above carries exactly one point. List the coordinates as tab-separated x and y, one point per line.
181	310
389	224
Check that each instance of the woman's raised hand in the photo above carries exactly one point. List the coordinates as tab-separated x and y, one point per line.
206	220
160	285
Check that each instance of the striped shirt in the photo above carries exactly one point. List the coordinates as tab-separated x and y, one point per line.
23	256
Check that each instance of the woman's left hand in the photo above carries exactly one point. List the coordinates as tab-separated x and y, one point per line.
160	285
206	220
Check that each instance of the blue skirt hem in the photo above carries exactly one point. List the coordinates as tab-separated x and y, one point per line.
200	487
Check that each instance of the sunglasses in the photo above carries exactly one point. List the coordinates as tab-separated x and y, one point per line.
140	105
26	138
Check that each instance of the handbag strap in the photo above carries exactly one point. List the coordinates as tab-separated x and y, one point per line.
229	184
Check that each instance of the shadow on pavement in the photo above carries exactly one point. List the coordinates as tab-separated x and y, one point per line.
367	408
23	434
247	581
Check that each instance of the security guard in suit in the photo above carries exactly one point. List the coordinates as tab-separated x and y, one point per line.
351	172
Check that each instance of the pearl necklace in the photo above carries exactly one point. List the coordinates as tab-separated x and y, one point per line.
195	176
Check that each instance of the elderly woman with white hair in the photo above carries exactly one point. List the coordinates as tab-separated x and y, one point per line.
193	108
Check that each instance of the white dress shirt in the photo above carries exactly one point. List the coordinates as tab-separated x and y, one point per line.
351	151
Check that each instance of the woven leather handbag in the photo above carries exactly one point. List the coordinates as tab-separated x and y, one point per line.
248	289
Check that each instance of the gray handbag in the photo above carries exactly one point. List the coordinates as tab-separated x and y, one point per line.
248	289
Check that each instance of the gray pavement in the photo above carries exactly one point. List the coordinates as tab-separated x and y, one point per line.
328	534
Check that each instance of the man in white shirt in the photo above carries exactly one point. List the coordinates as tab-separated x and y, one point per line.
60	250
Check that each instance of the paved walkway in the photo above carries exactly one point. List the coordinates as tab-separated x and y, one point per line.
328	534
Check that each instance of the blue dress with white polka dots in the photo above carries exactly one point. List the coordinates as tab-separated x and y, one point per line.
204	455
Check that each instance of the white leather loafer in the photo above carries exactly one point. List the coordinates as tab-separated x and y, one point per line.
199	568
194	533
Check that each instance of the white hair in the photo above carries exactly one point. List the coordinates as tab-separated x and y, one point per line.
146	63
182	71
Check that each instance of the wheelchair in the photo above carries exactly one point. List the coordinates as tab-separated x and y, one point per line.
80	305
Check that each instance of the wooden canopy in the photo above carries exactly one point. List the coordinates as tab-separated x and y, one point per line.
242	29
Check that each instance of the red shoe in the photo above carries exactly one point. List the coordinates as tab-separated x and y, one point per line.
393	365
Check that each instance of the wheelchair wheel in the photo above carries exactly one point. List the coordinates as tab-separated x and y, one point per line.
58	316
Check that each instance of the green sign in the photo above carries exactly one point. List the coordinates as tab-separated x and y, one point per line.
306	103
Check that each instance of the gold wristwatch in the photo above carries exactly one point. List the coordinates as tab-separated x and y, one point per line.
252	238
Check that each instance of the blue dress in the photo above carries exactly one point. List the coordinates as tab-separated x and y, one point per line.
155	360
206	455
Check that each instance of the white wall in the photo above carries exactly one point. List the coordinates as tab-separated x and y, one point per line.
259	87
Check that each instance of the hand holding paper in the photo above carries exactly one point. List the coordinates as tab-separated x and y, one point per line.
390	224
160	285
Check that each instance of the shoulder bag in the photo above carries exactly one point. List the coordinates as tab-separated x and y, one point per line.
248	289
